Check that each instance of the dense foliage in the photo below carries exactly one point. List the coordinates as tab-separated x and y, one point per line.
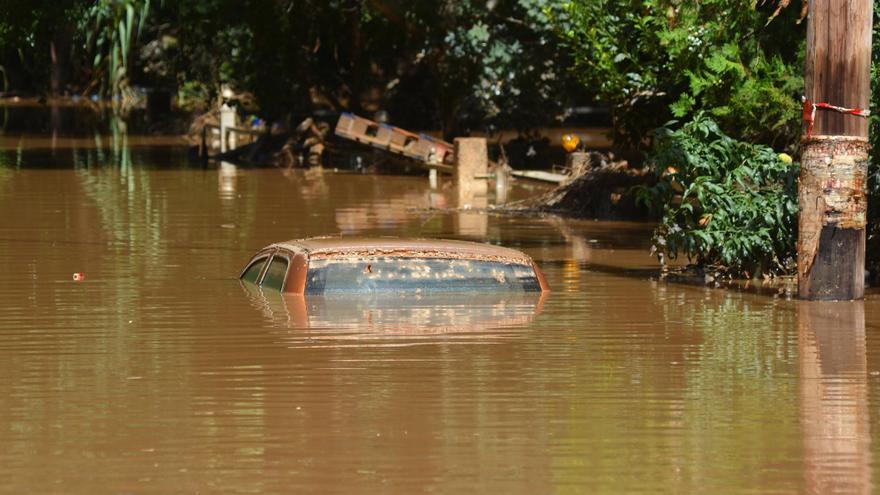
454	64
731	70
874	130
723	201
505	55
873	229
736	60
112	28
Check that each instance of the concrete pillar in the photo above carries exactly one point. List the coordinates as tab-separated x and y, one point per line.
227	121
471	161
432	178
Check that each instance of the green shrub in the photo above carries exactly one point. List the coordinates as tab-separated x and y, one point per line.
722	202
873	229
739	61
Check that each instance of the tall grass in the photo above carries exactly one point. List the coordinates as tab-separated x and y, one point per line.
116	26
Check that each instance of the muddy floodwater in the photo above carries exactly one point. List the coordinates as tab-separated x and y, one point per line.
161	373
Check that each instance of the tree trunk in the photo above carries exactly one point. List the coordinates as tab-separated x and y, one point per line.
832	186
59	54
358	67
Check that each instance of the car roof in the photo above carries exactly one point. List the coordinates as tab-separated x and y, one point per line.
328	247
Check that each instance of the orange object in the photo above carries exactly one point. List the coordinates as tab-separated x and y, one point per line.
79	276
570	142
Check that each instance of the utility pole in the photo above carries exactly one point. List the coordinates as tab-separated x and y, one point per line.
834	152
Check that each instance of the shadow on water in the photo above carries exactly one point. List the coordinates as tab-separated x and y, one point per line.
74	117
624	249
78	136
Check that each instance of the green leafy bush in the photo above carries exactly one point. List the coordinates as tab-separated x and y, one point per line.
117	24
740	61
723	202
873	228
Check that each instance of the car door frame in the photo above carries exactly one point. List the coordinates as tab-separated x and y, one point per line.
266	253
281	253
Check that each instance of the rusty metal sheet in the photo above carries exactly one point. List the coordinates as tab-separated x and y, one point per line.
336	246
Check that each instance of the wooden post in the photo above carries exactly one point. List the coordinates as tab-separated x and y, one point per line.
577	162
832	190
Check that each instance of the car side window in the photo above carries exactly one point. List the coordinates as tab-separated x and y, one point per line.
275	274
253	271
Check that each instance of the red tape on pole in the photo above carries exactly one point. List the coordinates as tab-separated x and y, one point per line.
810	112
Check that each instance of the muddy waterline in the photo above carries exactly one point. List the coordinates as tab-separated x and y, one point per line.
161	373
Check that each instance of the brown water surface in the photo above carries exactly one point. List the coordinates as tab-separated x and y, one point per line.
161	373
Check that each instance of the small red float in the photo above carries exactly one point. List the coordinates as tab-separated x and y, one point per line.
79	276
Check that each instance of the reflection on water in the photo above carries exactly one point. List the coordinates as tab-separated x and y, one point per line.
404	317
227	174
158	373
834	397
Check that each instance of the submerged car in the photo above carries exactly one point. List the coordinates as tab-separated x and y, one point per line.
339	265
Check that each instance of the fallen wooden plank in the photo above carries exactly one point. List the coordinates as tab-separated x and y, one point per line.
540	175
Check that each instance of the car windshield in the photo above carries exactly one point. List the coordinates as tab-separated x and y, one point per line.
328	276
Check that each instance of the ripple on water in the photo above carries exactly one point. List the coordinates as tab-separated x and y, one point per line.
160	372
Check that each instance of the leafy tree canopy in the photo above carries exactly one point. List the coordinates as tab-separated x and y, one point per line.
738	61
455	64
